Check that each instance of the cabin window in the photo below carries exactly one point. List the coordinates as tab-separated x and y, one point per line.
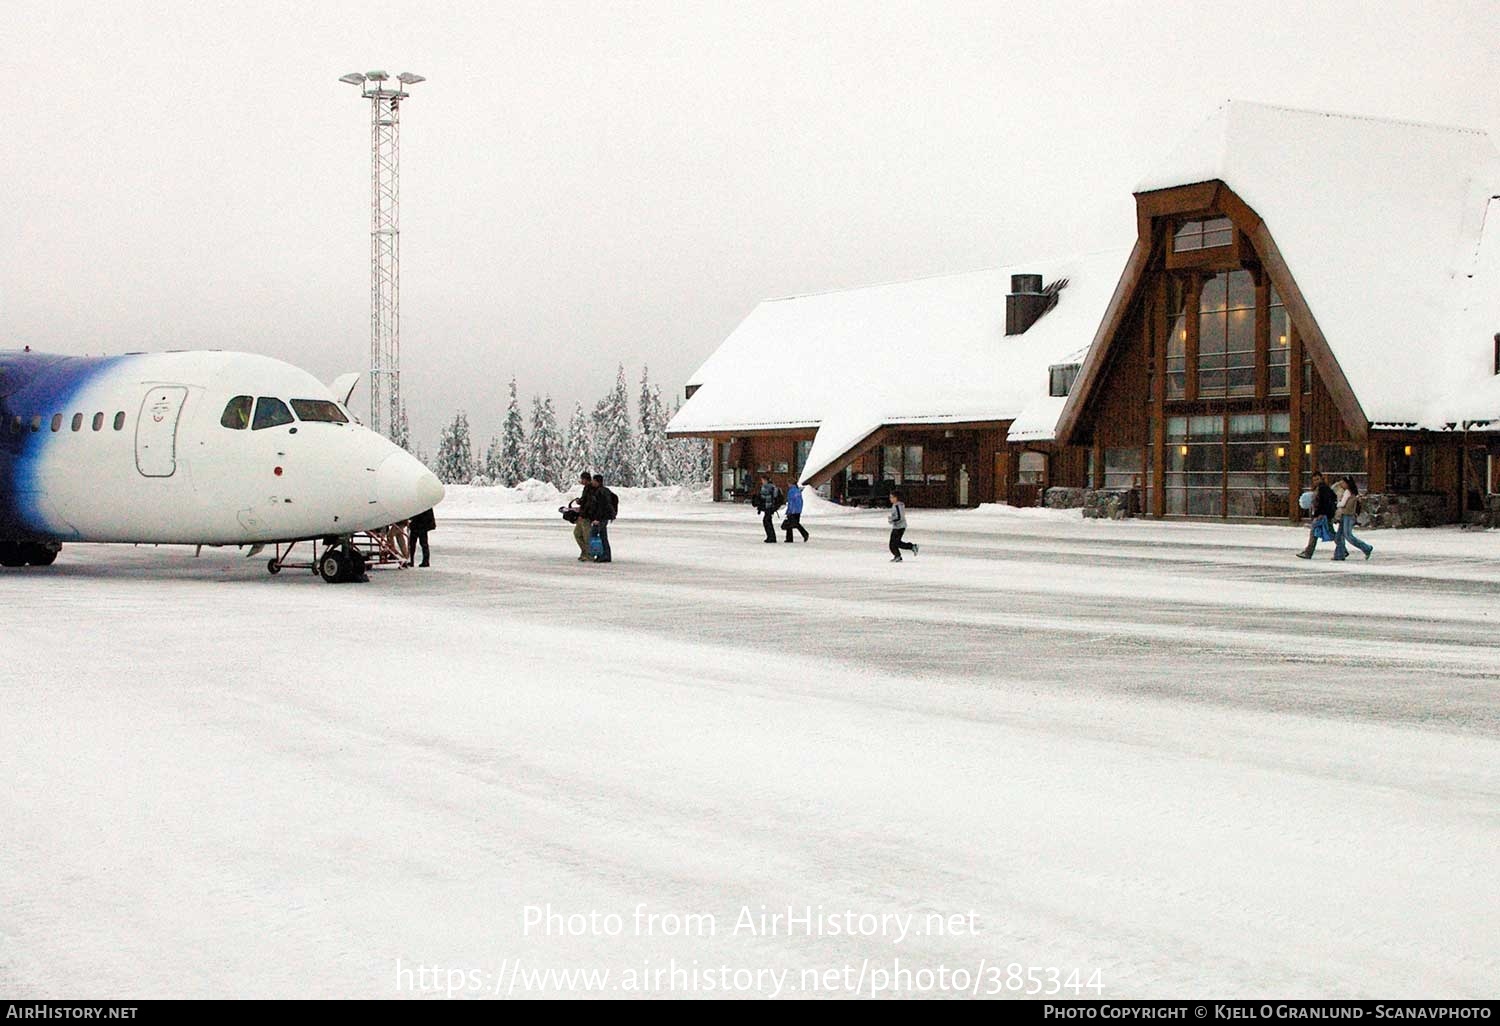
1336	461
1177	341
1232	465
1194	235
56	423
1122	467
120	421
319	411
1279	359
902	464
98	422
912	469
1408	468
77	422
237	413
1226	335
729	477
804	450
890	463
1031	468
15	425
270	412
36	424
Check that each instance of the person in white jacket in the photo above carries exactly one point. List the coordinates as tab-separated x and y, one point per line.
898	528
1344	515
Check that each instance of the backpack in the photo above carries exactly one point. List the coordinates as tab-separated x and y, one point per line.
614	503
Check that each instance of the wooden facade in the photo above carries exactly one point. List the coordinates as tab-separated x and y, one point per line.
935	465
1211	385
1208	388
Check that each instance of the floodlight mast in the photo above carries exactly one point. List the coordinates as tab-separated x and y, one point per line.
387	410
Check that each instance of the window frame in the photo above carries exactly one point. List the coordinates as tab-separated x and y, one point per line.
268	401
343	418
247	414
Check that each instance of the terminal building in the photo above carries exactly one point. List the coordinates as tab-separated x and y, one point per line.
1303	292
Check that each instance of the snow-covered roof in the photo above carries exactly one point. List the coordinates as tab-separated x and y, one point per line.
1383	225
929	351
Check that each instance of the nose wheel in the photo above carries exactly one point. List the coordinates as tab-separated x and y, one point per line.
341	565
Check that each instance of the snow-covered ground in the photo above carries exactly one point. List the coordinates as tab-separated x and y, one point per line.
1168	756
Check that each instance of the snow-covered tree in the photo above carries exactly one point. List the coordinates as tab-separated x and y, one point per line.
512	444
491	464
401	430
651	437
455	458
544	446
690	461
613	447
579	455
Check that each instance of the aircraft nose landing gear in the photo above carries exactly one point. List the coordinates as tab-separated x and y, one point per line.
342	564
340	559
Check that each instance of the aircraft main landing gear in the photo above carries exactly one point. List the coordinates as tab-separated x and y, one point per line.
28	553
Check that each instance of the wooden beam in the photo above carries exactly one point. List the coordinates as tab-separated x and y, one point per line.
1314	344
1097	359
846	457
1295	400
885	431
1262	336
1192	320
1179	201
1159	325
724	434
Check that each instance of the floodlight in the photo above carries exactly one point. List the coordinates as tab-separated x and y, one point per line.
407	78
353	78
376	76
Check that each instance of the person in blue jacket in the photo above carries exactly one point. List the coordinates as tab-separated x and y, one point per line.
793	520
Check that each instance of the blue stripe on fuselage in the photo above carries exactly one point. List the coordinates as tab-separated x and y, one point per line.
36	385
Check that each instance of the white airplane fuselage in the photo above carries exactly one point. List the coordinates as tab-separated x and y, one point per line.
201	448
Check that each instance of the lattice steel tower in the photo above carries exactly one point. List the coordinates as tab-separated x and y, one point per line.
387	412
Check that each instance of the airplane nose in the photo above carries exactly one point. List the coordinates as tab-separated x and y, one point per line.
405	488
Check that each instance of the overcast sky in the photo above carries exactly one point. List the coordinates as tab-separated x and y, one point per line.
588	184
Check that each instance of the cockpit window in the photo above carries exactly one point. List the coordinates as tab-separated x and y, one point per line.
237	413
270	412
319	410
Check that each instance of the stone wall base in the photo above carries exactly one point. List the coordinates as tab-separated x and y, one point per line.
1096	503
1423	510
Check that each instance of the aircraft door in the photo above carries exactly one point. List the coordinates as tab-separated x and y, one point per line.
156	431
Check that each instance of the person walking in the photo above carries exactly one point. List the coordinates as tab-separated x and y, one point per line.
421	525
1323	505
794	513
898	528
580	522
768	500
603	507
1347	512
